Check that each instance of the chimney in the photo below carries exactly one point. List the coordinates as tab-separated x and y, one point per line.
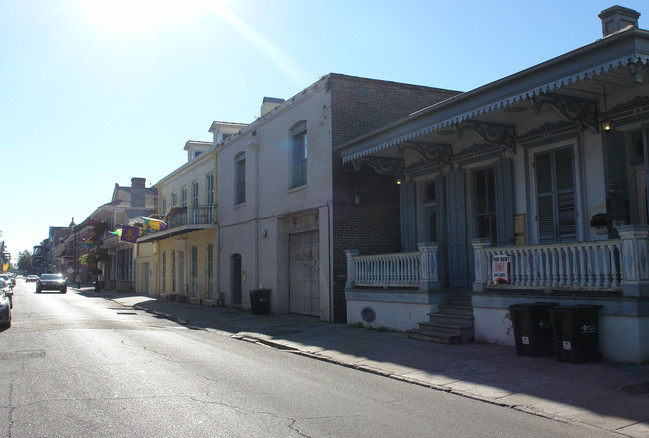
138	183
616	18
269	104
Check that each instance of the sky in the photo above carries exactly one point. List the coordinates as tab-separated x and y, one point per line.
93	92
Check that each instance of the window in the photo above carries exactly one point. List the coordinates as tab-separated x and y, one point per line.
183	197
209	187
209	256
164	271
209	197
173	272
298	155
194	271
195	194
174	199
556	214
484	205
240	179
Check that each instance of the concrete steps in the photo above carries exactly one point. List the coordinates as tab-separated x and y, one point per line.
452	324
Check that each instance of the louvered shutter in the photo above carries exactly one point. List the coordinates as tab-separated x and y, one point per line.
616	190
408	230
457	262
556	213
504	203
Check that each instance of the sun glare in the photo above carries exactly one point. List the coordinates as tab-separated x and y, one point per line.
134	15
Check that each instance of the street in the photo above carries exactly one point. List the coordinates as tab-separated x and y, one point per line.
76	365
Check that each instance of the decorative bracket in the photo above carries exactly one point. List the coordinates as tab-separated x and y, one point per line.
582	112
383	166
437	153
491	133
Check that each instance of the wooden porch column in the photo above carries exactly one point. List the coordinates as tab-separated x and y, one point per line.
428	279
481	264
351	268
635	259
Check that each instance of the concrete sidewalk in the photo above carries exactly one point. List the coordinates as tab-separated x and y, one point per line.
608	396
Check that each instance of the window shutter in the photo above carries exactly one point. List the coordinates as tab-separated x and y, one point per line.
407	198
504	202
556	196
616	189
457	258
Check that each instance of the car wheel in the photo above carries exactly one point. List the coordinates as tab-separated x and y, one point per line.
38	291
64	290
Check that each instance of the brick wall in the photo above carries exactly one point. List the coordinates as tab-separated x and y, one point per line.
360	106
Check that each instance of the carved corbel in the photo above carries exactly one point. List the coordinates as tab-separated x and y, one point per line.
492	134
582	112
383	166
436	153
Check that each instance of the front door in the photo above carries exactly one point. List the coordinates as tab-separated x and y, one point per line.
304	273
235	279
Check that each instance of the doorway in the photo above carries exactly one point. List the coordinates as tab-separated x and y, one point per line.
236	277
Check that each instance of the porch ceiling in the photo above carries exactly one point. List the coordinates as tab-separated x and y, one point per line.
618	62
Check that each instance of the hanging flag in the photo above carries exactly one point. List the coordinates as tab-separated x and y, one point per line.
156	224
117	232
89	243
129	234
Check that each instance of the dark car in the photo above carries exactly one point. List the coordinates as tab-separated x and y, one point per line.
52	282
5	310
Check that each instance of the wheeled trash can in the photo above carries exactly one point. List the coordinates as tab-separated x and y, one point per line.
532	328
576	332
260	301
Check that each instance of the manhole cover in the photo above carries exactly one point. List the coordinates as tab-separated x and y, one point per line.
640	388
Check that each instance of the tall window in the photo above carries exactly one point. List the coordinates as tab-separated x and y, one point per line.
195	194
164	206
210	270
555	196
173	272
240	179
183	197
164	271
209	198
174	199
194	271
484	206
298	155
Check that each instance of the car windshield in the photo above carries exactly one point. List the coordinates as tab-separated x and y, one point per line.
51	277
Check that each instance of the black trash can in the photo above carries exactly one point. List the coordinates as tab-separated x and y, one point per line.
532	328
576	333
260	301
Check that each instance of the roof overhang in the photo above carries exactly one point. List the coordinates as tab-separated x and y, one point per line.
626	48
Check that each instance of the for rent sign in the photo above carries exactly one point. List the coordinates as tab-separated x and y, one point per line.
500	269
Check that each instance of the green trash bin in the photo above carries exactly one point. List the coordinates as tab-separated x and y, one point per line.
576	333
532	328
260	301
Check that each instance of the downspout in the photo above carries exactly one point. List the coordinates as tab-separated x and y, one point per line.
255	250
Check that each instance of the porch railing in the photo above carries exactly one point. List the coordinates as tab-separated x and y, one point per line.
406	270
617	265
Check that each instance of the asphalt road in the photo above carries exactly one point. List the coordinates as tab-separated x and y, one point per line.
83	366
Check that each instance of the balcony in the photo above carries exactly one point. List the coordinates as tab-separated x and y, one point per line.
198	215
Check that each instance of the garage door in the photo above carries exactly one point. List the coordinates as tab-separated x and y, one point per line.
304	270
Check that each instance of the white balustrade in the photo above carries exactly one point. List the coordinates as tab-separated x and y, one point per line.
412	269
574	265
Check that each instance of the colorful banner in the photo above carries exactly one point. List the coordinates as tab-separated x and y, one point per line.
156	224
129	234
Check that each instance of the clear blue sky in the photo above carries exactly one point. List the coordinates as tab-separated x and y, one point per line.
95	92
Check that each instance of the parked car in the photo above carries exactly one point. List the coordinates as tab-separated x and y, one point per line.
5	310
31	278
8	291
52	282
8	279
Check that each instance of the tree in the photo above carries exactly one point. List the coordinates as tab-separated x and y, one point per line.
25	261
